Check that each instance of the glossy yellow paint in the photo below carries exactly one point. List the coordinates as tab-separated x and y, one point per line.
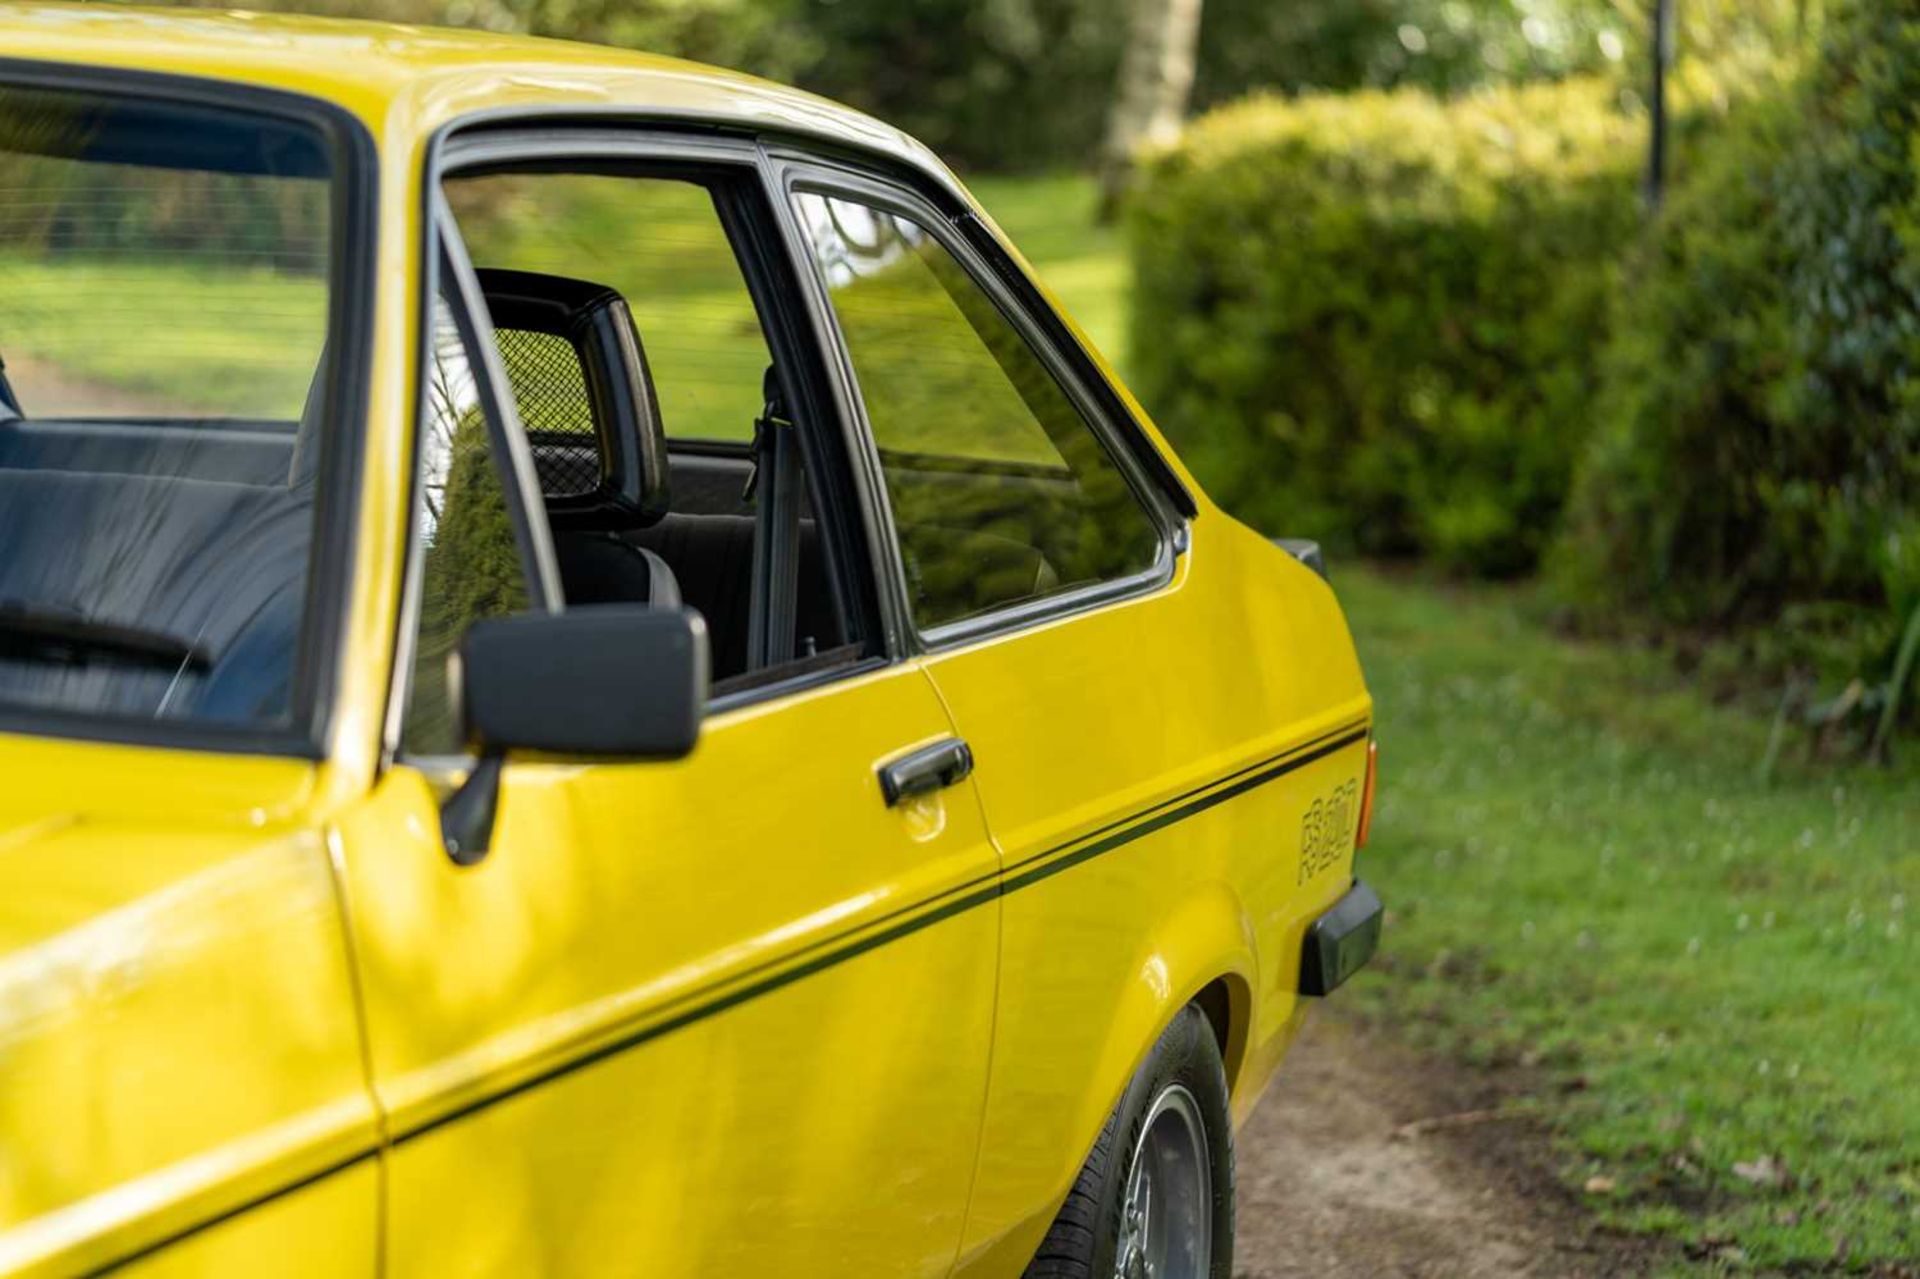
1164	706
662	992
177	1025
730	1015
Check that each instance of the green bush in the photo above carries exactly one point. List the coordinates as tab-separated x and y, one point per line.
1445	46
1453	46
1372	318
1757	462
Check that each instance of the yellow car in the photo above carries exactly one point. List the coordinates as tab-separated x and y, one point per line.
593	680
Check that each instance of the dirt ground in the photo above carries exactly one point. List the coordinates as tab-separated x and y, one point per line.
49	392
1365	1160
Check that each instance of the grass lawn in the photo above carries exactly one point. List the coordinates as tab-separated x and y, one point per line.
1718	979
178	337
1584	873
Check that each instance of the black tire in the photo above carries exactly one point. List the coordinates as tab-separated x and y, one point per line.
1085	1236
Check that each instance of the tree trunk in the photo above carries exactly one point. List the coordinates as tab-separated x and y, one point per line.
1156	77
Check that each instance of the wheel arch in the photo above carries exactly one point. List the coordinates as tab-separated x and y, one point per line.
1199	951
1227	1001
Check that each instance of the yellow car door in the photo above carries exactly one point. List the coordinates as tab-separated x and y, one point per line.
728	1015
1142	764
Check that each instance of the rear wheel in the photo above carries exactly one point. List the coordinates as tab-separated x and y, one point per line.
1155	1197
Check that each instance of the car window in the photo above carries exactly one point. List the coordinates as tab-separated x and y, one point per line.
164	300
663	338
471	568
1001	491
659	242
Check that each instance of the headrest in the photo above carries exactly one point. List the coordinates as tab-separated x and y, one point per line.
611	371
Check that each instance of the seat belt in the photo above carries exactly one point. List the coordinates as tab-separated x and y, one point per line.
776	483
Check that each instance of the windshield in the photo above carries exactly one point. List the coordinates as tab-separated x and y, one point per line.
164	282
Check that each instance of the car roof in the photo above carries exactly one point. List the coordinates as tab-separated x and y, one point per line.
401	79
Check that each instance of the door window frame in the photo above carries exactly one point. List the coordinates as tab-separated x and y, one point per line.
757	230
799	170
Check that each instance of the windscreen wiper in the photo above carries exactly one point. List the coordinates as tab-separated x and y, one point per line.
64	635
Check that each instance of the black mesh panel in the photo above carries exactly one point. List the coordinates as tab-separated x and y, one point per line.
550	390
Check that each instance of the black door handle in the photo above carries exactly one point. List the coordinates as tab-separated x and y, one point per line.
928	769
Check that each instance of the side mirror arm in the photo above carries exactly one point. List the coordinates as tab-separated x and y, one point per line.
605	681
467	816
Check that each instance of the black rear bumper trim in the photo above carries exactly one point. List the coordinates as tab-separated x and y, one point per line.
1341	941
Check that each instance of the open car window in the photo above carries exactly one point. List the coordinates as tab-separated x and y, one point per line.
632	325
165	269
663	247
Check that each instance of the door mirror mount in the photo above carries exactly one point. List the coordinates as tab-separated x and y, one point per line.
610	682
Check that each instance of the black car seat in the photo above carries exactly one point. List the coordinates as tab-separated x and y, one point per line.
603	568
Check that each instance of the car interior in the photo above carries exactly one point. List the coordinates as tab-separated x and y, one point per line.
636	518
187	642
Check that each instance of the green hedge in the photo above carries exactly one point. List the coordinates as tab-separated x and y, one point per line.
1757	460
1373	318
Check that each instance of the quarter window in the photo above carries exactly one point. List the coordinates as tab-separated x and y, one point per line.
1001	492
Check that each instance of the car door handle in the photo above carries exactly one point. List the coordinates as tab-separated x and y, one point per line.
928	769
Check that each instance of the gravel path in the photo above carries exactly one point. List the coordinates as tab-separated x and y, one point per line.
1364	1160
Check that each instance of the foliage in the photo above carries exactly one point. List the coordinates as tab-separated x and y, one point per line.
1371	318
1454	46
1004	85
1012	85
1757	462
1444	47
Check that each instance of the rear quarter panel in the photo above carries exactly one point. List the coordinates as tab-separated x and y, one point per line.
1147	769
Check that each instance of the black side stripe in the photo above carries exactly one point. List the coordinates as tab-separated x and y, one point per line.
1183	806
827	953
910	919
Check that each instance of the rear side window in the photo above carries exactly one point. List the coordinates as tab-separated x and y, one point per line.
1001	491
164	297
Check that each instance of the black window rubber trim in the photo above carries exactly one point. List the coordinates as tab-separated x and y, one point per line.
349	340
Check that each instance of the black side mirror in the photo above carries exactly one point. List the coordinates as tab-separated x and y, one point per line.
610	681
